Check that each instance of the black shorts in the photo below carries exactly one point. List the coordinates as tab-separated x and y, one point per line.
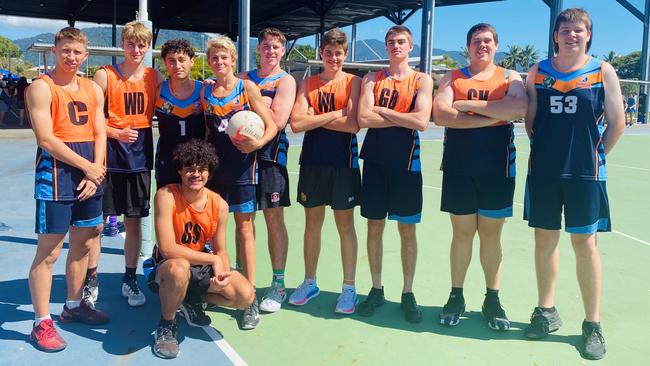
272	186
337	187
392	192
488	196
197	287
127	194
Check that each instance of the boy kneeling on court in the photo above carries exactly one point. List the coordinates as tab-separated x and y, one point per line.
190	264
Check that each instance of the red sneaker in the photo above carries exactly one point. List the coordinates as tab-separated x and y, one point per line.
85	313
46	338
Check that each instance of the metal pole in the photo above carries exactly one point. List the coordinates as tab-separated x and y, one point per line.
143	17
353	43
244	35
114	31
556	8
203	57
645	66
428	7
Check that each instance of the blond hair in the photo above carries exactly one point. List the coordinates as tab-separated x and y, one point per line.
72	34
222	42
399	29
136	31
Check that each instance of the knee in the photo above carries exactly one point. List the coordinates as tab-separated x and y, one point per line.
406	231
52	257
246	296
375	227
174	270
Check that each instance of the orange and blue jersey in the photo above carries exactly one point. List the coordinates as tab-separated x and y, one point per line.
276	150
235	167
179	121
73	122
484	151
567	138
327	148
130	104
396	147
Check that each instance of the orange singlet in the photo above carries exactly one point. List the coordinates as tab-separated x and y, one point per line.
130	103
194	228
467	88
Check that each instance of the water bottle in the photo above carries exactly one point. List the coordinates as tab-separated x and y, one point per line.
112	226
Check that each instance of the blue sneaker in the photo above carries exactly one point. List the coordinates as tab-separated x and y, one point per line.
305	292
348	300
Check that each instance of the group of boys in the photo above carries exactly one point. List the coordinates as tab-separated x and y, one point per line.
190	266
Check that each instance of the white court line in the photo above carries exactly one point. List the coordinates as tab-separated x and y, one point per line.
614	231
224	346
628	167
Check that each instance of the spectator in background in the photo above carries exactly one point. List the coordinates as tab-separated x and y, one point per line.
4	99
19	93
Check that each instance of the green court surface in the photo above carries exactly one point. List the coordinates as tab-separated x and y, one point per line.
315	335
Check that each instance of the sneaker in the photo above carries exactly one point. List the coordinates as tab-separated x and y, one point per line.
374	300
273	299
45	337
452	311
347	301
131	291
251	316
542	323
194	314
494	315
303	293
85	313
165	343
410	308
594	342
91	289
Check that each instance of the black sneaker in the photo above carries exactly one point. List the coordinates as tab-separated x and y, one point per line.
494	315
410	308
543	322
165	342
251	316
194	314
91	289
594	343
452	311
374	300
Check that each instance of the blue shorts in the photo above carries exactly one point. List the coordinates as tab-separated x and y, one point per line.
392	192
585	203
240	198
489	196
56	217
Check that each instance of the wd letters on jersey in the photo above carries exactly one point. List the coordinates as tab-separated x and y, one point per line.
133	103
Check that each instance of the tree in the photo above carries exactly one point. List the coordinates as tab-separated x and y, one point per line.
529	56
8	50
628	66
302	52
465	53
512	58
446	62
610	57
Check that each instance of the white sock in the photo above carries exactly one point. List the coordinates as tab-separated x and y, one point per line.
348	286
72	304
37	321
311	281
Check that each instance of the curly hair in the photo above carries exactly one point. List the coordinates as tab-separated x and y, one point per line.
196	153
177	46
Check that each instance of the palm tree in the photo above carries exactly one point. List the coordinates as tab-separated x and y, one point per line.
465	53
529	56
610	57
512	57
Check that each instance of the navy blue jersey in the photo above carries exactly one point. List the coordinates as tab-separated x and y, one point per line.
234	166
568	128
178	121
275	150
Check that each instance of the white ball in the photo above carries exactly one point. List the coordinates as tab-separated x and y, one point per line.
245	123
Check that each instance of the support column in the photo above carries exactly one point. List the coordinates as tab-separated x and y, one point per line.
114	31
555	7
428	7
353	43
643	105
143	17
244	36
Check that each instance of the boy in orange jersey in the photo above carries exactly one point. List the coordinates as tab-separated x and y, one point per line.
191	259
476	105
278	90
394	105
326	109
67	117
130	90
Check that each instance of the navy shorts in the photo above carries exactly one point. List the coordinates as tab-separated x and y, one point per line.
127	194
337	187
392	192
585	204
240	198
489	196
273	186
56	217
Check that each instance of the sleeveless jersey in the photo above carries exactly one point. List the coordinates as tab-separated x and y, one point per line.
567	134
485	150
397	147
323	147
73	122
193	228
276	150
234	166
178	121
130	104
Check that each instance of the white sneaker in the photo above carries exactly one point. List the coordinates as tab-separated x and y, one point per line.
131	291
347	302
273	299
303	293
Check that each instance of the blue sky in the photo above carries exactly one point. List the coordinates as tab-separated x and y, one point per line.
518	22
